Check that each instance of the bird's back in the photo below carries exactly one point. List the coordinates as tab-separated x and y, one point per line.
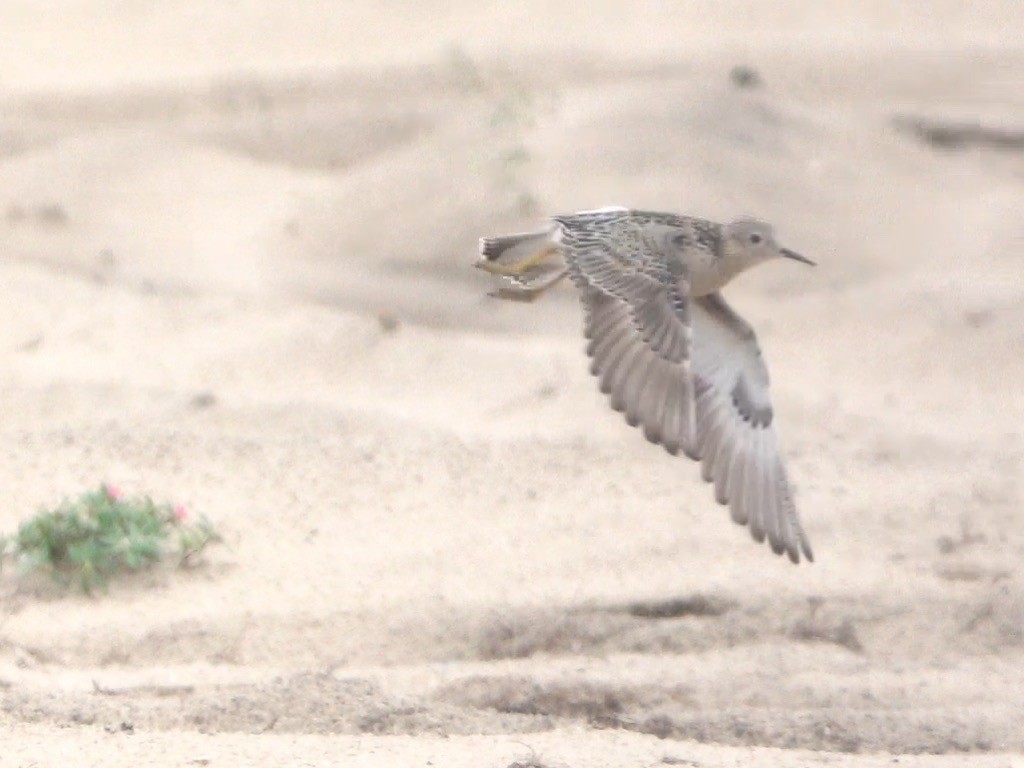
620	236
608	220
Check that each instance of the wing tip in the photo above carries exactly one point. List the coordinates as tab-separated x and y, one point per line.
806	547
794	549
692	450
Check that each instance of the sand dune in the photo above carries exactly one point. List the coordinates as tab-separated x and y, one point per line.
236	275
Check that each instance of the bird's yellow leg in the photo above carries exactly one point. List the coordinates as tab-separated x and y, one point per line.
524	294
519	267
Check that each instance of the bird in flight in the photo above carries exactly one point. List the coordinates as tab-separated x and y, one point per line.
672	355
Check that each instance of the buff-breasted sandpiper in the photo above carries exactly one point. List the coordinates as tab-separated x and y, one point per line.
666	347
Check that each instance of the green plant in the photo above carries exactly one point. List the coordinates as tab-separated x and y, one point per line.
102	533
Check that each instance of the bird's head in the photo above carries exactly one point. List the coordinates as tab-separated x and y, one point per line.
747	242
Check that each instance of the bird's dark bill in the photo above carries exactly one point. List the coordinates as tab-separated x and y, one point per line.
796	256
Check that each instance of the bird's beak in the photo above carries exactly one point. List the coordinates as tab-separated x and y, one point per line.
796	256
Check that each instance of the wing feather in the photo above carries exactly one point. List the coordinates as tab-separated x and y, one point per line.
674	427
753	495
726	357
613	369
652	406
739	503
723	459
763	484
639	344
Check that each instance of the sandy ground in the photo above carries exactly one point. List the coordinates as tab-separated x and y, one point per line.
233	264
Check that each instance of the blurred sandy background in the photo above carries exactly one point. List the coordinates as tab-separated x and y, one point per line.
234	248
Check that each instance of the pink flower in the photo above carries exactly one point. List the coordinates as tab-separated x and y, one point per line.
113	492
180	513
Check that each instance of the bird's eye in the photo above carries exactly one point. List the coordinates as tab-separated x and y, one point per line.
755	238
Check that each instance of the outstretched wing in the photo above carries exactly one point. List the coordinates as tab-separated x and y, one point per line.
626	261
735	436
637	320
655	391
688	371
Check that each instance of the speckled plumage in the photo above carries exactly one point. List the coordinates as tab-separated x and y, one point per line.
669	351
621	231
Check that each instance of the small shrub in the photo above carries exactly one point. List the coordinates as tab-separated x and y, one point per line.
103	533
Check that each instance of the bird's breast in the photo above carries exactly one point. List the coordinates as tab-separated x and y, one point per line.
706	280
703	271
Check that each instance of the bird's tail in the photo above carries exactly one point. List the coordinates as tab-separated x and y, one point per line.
530	261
